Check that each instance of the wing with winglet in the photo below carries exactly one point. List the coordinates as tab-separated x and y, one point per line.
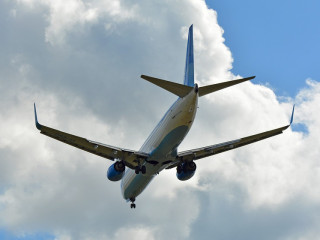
130	157
207	151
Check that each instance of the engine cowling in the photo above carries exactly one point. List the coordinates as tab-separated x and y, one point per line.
186	170
116	171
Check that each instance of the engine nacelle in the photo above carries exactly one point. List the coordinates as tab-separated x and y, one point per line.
186	170
116	171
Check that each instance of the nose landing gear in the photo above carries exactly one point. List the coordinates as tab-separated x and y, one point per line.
133	205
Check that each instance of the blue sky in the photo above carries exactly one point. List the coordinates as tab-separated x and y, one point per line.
278	41
80	61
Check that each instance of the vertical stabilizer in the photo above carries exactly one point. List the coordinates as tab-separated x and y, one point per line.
189	68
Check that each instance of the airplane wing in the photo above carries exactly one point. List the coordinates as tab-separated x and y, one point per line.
130	157
207	151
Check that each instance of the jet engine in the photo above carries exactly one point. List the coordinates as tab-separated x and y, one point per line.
186	170
116	171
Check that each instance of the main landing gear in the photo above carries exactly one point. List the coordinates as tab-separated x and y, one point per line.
133	205
141	169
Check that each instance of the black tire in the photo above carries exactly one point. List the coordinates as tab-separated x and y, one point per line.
143	170
119	166
137	170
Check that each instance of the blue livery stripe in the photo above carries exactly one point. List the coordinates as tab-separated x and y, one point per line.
170	142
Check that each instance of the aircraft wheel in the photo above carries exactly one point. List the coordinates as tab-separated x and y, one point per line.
137	170
143	170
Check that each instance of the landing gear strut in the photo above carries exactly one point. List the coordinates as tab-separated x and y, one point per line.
133	205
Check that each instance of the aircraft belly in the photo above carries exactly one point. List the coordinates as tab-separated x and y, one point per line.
162	145
170	142
134	184
176	123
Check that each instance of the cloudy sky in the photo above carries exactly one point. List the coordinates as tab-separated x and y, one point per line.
80	61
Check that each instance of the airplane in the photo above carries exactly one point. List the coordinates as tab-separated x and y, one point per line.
136	169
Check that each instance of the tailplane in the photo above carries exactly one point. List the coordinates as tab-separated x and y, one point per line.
216	87
175	88
182	90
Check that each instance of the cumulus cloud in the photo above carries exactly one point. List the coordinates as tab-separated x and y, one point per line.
64	17
81	62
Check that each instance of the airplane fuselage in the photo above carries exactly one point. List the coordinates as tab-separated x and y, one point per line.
162	144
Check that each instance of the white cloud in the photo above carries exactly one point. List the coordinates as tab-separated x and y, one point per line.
67	16
85	81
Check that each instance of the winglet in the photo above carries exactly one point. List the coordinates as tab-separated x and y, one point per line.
38	125
291	120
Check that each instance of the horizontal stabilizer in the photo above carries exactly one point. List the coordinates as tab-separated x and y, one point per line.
216	87
175	88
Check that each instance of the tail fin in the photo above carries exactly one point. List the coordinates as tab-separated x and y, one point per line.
189	68
182	90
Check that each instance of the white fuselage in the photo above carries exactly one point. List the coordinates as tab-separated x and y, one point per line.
162	144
